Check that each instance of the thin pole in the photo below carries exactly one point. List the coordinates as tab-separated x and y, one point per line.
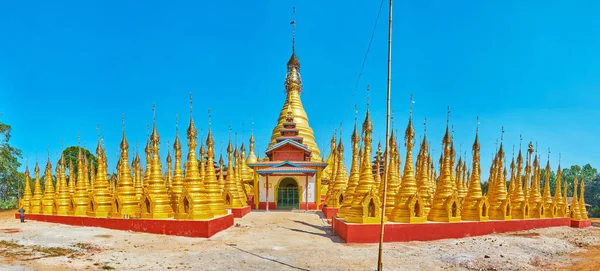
387	135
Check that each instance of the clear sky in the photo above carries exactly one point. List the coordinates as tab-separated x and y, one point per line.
532	66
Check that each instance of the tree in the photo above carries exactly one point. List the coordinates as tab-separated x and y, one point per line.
71	153
10	179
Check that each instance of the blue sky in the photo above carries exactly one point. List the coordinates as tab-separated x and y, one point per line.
531	67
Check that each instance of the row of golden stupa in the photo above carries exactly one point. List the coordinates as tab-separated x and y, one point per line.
193	193
420	194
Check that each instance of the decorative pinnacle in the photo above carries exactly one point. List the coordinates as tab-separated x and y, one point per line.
477	127
425	126
368	96
502	135
191	101
154	112
448	116
123	122
251	126
355	113
176	124
293	23
98	130
209	119
548	153
411	103
520	141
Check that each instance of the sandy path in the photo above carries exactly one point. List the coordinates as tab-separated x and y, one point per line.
280	241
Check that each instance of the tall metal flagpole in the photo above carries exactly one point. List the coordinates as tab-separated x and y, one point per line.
387	135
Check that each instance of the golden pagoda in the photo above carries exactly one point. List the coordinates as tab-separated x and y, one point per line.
48	198
81	197
247	174
378	171
178	181
408	203
328	170
211	186
549	212
500	206
331	181
36	200
137	177
575	212
238	178
101	197
462	191
366	204
557	201
27	195
87	172
202	162
536	208
193	203
446	206
63	204
148	152
341	179
221	179
230	190
155	200
169	174
423	177
126	202
520	207
71	180
354	176
293	88
392	178
581	202
475	205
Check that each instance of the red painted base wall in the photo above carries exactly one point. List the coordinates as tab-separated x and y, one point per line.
190	228
330	212
581	223
240	212
402	232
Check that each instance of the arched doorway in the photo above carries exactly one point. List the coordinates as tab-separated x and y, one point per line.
287	194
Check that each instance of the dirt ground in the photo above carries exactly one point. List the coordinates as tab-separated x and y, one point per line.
285	241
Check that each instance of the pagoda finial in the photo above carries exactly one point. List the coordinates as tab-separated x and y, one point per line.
176	124
411	103
293	23
502	135
425	126
355	113
448	116
368	96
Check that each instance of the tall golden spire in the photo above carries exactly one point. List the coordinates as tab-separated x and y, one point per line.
393	178
328	170
81	197
213	193
36	201
251	155
169	173
89	171
137	176
575	207
331	180
475	205
500	208
27	195
148	152
423	178
293	88
102	198
155	201
193	203
560	211
446	206
408	203
177	185
126	202
63	198
527	185
535	198
520	207
230	193
48	199
71	179
238	178
247	174
221	180
365	197
581	202
341	178
547	198
378	171
202	162
354	175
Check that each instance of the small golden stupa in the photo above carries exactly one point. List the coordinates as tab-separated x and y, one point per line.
48	198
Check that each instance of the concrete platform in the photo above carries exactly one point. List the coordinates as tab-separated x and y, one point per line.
403	232
190	228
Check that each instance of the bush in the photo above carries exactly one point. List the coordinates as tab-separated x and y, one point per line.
8	204
595	212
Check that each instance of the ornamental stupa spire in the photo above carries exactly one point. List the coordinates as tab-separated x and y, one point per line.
211	185
238	178
230	193
36	201
547	197
127	202
178	181
575	207
520	207
202	162
331	180
328	170
423	178
535	198
81	197
102	198
354	175
137	176
499	201
155	201
63	198
247	174
48	198
293	89
581	202
71	179
251	155
169	173
475	205
221	180
558	193
446	206
341	177
27	195
393	177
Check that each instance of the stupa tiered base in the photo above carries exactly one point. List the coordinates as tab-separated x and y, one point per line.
240	212
330	212
404	232
189	228
581	223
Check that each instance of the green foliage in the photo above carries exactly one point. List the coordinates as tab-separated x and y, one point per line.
595	212
8	204
484	188
10	178
71	153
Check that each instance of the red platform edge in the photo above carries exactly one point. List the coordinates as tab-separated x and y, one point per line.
330	212
240	212
189	228
402	232
581	223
